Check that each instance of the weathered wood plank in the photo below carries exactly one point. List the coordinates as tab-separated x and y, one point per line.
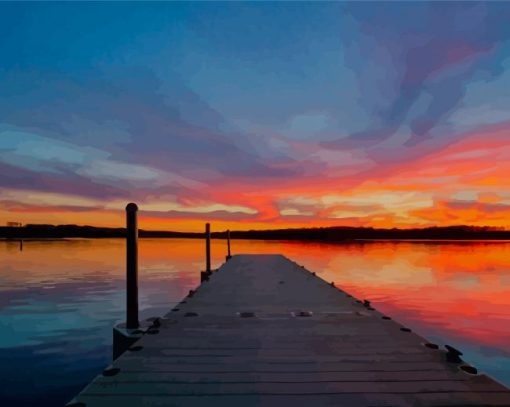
316	387
289	367
374	399
271	376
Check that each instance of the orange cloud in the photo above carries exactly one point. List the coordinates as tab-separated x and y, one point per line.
464	183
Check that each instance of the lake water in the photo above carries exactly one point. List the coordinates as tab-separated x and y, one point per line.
60	299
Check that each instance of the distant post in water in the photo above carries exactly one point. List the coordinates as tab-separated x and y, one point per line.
131	266
228	245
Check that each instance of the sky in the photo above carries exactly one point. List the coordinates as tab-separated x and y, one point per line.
255	115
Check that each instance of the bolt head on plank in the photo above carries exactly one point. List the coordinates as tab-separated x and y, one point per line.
452	350
111	371
76	404
453	355
469	369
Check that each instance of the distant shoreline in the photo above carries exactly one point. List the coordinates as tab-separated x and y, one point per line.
310	241
328	234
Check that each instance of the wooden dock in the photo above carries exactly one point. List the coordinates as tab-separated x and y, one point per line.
264	331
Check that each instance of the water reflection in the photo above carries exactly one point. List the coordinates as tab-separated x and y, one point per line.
59	299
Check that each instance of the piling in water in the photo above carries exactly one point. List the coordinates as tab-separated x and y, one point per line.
204	275
131	267
229	256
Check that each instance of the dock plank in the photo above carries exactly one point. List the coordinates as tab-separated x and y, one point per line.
264	331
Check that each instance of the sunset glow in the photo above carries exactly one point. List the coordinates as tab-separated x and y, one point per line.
355	114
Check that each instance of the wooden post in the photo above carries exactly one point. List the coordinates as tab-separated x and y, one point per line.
204	275
228	245
208	248
131	267
21	245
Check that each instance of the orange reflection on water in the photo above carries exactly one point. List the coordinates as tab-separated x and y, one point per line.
460	291
463	288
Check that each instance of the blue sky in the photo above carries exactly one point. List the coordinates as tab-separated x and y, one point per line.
262	113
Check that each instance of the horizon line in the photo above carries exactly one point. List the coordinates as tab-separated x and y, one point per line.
458	226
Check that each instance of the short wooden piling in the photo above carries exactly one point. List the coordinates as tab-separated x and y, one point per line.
131	266
228	246
208	248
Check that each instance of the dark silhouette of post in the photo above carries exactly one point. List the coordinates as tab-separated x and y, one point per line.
208	248
131	266
228	245
204	275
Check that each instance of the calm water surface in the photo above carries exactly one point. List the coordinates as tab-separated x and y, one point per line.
60	299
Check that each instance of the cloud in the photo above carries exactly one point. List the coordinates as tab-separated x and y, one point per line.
37	198
360	205
295	212
398	62
220	215
485	208
43	154
189	208
19	200
146	124
33	152
465	212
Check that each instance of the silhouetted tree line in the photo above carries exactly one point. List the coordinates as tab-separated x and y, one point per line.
315	234
354	233
63	231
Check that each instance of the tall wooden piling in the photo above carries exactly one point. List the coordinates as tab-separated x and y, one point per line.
204	275
131	266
